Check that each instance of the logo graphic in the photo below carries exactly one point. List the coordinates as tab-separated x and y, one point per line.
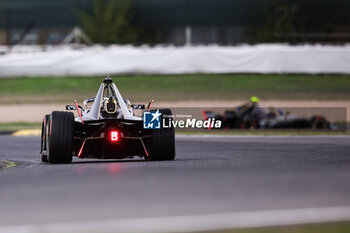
151	120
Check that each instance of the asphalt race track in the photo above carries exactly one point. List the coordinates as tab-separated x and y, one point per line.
210	175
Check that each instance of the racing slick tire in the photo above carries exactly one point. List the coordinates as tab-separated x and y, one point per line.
43	149
249	123
162	142
319	122
60	137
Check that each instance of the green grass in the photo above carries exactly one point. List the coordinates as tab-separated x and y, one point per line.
180	87
336	227
19	125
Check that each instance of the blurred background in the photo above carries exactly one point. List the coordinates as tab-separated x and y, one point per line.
177	22
182	53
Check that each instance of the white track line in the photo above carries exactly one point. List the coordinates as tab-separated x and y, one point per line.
193	223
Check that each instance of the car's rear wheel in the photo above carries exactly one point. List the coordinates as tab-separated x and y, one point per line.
43	150
60	137
318	122
162	142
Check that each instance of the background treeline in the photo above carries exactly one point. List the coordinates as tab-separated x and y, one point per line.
155	21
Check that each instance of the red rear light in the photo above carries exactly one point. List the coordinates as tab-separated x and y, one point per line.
114	136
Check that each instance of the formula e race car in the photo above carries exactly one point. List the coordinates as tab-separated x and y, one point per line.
250	115
109	129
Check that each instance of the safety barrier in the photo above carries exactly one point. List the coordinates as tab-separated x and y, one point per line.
100	60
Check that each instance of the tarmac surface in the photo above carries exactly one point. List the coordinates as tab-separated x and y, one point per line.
210	175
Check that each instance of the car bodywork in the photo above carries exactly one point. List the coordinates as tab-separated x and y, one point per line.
251	115
109	129
93	129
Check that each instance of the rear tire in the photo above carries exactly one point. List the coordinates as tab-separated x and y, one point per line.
60	137
162	142
319	122
43	150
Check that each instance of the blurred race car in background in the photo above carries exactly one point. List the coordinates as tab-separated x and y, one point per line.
250	116
110	129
